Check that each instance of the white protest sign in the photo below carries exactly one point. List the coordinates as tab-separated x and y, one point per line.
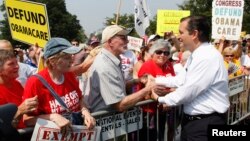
48	131
132	119
134	43
227	16
141	17
236	85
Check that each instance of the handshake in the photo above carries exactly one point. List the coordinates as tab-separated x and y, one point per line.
154	89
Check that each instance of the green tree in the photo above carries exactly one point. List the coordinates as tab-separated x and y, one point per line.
61	22
127	20
4	27
204	7
152	27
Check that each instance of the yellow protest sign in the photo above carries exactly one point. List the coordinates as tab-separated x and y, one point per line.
169	20
28	21
243	34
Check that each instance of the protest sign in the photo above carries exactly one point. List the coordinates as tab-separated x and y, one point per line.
169	20
141	17
28	21
121	123
134	43
227	19
48	131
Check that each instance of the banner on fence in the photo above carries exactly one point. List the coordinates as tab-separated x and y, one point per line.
227	16
28	21
236	85
48	131
121	123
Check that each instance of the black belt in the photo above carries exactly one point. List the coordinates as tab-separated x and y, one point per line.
202	116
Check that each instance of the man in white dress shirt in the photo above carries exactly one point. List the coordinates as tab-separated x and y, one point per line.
204	92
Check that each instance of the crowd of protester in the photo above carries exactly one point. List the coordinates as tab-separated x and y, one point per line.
102	74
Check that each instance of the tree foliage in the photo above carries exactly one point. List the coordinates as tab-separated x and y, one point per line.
61	22
127	20
204	7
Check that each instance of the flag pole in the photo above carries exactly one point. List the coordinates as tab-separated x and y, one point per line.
118	12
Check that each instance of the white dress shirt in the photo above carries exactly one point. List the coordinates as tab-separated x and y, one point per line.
205	85
172	81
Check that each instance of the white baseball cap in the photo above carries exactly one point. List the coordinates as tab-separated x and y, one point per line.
111	31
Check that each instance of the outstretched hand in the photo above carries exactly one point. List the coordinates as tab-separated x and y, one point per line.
154	96
63	123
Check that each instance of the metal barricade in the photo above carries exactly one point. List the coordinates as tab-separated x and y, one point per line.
119	124
239	99
120	130
128	125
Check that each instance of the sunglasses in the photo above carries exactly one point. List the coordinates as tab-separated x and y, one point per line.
159	52
229	55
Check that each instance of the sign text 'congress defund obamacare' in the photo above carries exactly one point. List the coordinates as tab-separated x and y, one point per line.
30	17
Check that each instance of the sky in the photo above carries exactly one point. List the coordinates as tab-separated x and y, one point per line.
92	13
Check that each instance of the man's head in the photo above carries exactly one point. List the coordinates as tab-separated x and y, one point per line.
115	39
193	31
94	43
75	42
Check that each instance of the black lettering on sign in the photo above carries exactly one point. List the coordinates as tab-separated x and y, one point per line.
139	22
29	31
29	16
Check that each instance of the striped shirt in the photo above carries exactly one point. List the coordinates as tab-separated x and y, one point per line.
105	84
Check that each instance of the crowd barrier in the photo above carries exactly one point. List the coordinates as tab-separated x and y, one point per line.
126	126
239	88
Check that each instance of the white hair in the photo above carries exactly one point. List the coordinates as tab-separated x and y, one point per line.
159	44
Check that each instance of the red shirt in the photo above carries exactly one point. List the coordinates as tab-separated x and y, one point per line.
150	67
13	95
69	92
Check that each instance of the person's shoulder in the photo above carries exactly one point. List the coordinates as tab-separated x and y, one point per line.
128	53
24	67
209	52
33	78
148	62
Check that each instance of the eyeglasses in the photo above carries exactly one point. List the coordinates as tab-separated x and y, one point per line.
229	55
159	52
